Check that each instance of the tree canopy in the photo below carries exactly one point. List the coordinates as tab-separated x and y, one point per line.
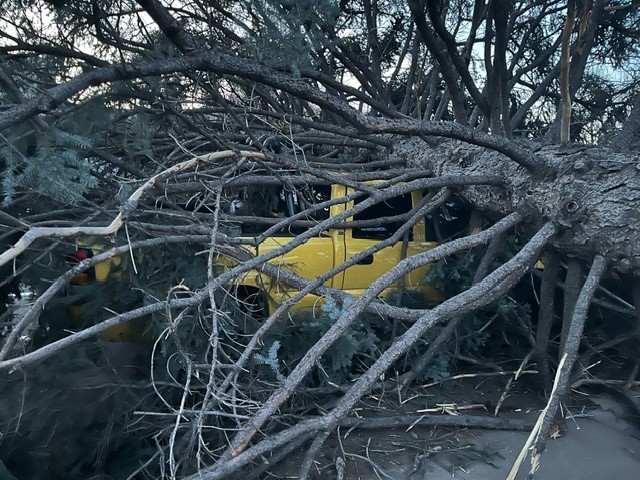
131	121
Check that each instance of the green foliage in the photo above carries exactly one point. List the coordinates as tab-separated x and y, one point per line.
56	169
614	45
75	416
439	368
288	32
490	326
271	360
357	343
453	275
345	359
361	344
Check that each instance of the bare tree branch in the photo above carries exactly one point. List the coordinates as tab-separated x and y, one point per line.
484	292
570	353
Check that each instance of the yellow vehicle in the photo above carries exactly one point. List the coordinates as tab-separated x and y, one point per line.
86	310
260	294
333	247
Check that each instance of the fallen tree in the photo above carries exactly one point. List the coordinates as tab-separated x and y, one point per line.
570	203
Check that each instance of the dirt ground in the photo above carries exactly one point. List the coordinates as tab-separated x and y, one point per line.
601	441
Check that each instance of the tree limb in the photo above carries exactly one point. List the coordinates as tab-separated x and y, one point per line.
129	206
492	287
538	438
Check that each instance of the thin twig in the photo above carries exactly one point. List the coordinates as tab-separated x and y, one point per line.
377	468
507	387
129	206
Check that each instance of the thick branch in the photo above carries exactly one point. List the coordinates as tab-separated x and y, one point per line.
169	25
546	315
434	44
563	375
515	151
590	18
348	317
565	86
454	57
494	286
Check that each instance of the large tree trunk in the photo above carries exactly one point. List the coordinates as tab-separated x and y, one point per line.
593	194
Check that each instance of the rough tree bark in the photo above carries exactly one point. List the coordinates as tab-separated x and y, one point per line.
592	194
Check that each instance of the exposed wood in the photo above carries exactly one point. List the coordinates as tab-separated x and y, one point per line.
570	353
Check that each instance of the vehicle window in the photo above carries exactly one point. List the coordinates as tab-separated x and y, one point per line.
313	195
372	227
449	221
276	201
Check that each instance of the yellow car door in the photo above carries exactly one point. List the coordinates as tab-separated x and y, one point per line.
310	260
367	231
